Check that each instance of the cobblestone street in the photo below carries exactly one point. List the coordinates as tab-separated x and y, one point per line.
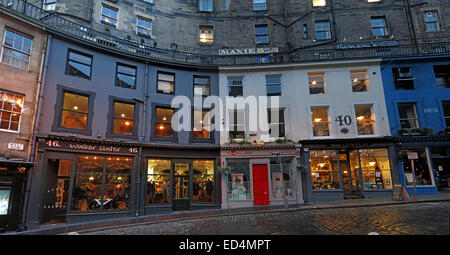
410	219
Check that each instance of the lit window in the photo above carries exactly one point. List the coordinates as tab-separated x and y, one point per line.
378	26
320	121
408	115
376	169
143	27
123	119
75	111
49	5
322	29
16	49
11	106
324	170
422	170
317	3
206	34
158	181
126	76
163	122
109	16
442	75
446	107
166	83
403	78
316	83
79	64
273	85
205	5
201	86
259	5
202	124
364	119
261	34
360	81
276	123
431	21
373	1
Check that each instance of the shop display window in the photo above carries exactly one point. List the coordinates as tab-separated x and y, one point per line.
163	122
324	170
421	167
320	121
158	181
5	194
75	111
203	181
364	119
123	118
376	169
94	176
239	179
275	175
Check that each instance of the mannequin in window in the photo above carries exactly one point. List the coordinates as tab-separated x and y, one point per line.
209	189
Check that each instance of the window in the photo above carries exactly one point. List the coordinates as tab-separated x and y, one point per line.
100	185
201	86
373	1
123	118
259	5
166	83
239	179
442	75
16	49
49	5
403	79
143	26
203	181
235	88
276	123
324	170
74	111
163	122
320	121
205	5
79	65
149	1
237	124
317	3
11	106
202	124
126	76
206	34
109	16
375	169
446	107
275	173
5	196
422	170
261	34
360	81
273	85
378	26
158	181
431	21
323	30
408	115
316	83
364	119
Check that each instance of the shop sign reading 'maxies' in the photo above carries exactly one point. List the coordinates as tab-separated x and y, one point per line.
76	146
247	51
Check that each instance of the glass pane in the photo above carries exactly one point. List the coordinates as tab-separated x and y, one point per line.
274	90
364	119
75	102
126	70
324	170
158	189
202	122
203	182
376	169
126	81
164	130
5	193
316	83
80	70
239	179
166	87
421	167
119	165
123	110
123	127
359	81
181	169
235	91
117	192
164	115
82	59
158	167
320	122
73	120
87	188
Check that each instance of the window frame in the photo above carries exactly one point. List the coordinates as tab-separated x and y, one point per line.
261	35
278	124
61	90
444	117
208	41
386	27
14	49
415	112
157	82
437	21
110	130
210	3
144	28
12	112
264	5
373	118
367	79
397	78
230	78
208	85
273	85
51	3
153	136
311	74
330	123
69	50
211	138
117	75
316	31
104	15
231	125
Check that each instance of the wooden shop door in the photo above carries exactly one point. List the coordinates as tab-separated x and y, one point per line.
261	185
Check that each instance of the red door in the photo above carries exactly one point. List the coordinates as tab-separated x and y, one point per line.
261	185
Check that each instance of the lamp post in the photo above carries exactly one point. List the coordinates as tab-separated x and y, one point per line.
283	190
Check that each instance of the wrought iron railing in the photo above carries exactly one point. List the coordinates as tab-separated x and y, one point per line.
53	22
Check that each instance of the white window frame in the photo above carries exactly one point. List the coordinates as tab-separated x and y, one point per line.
231	125
144	28
324	82
366	72
208	38
319	3
373	111
13	49
20	117
330	118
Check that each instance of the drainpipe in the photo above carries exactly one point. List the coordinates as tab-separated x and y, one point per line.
41	86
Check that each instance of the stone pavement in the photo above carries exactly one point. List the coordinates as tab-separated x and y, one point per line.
234	214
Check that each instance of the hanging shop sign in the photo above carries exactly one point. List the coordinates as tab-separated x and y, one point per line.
345	46
63	145
247	51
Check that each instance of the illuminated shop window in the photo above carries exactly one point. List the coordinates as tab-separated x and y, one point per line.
123	119
239	179
126	76
317	83
163	122
16	49
408	115
320	121
275	175
317	3
421	167
92	177
360	81
143	26
206	34
110	16
158	182
166	83
203	181
376	169
74	111
324	170
11	106
202	124
365	121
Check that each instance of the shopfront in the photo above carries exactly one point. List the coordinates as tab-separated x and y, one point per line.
13	177
255	176
348	169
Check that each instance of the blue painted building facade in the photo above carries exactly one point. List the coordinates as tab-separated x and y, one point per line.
417	92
